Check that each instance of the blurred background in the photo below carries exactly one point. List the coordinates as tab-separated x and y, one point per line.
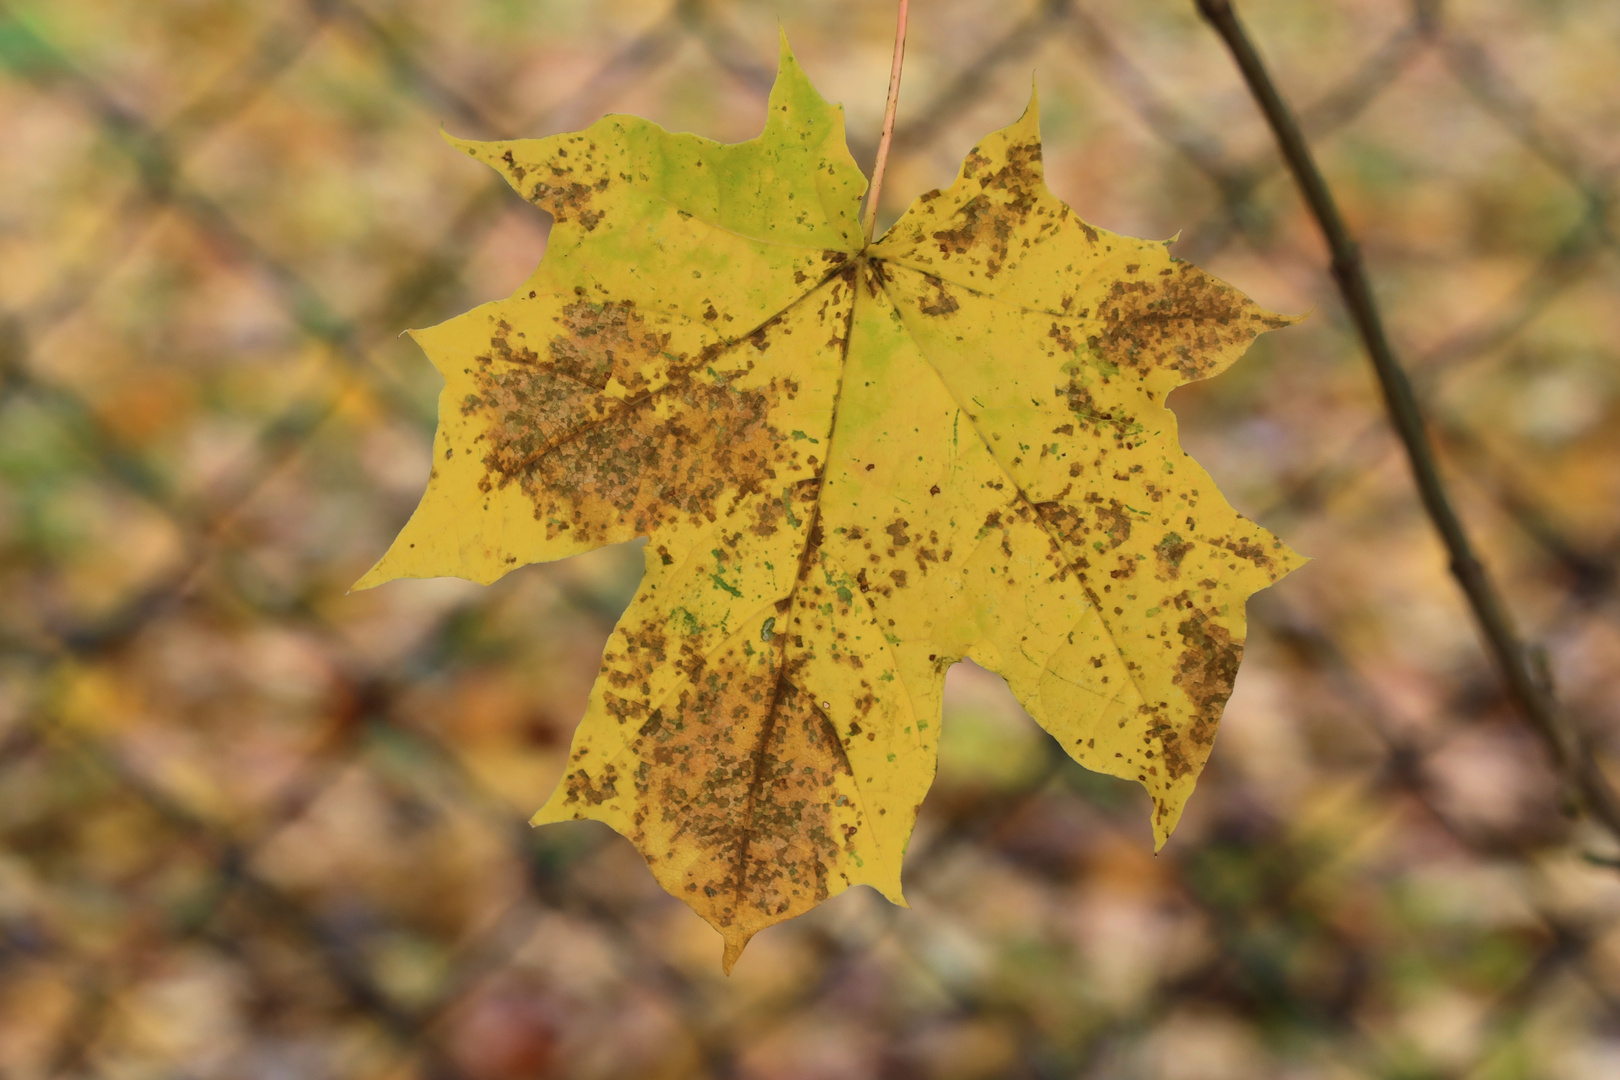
254	827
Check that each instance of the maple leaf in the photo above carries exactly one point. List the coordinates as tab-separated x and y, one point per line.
855	465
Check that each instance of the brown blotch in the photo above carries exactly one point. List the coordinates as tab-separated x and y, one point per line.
1114	520
1205	671
1062	521
743	770
1183	321
594	464
986	223
1079	401
1169	552
942	302
569	201
518	171
583	789
1248	549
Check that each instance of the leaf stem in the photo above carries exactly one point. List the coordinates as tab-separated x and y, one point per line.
888	121
1530	693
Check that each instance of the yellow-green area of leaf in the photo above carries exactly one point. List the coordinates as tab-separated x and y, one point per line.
855	465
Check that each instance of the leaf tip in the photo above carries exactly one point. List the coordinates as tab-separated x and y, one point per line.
1166	815
791	91
553	811
456	141
372	578
786	63
1290	560
887	885
736	941
1032	111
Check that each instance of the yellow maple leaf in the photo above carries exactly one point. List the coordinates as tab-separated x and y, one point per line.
855	466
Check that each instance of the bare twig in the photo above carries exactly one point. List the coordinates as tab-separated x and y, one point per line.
888	120
1531	695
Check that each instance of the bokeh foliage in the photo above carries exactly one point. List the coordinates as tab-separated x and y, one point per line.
252	826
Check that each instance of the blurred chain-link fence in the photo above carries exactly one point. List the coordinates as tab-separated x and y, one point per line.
251	826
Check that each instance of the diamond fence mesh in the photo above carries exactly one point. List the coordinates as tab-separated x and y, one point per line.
252	826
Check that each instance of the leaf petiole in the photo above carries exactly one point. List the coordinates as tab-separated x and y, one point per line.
889	107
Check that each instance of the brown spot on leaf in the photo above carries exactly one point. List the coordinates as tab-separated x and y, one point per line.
942	302
589	461
742	770
985	223
1205	671
1169	552
1091	418
1248	549
1115	521
569	201
582	789
518	171
1182	322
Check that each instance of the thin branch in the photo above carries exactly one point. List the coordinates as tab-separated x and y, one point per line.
888	120
1529	693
